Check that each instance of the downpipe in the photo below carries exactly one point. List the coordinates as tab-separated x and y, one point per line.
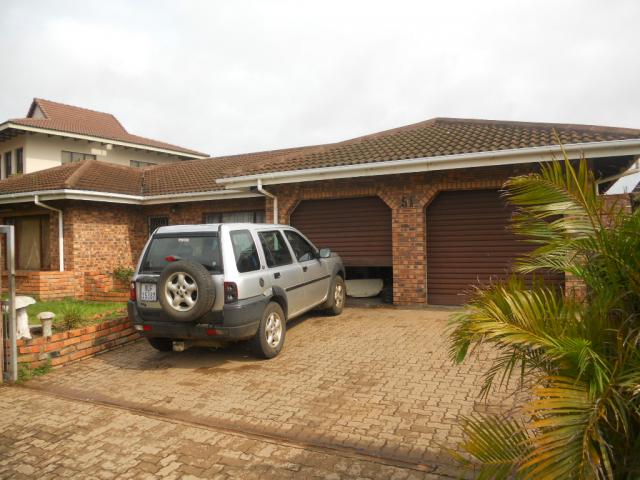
272	197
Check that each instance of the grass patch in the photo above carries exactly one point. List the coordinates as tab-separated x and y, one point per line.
25	373
71	313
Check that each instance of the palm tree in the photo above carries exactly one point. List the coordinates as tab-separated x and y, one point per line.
581	353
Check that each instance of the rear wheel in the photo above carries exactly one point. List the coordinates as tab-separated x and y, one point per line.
269	338
186	291
161	344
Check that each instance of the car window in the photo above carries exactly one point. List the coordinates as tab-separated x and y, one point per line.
302	249
244	251
275	249
204	250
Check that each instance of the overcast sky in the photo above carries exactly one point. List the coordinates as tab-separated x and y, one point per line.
239	76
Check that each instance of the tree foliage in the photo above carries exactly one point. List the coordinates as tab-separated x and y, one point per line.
582	352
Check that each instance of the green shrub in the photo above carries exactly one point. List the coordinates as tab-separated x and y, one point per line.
73	313
581	419
25	372
123	274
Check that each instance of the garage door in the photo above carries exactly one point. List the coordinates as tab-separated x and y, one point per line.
468	243
358	229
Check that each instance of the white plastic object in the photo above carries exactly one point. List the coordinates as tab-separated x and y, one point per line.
46	318
22	319
364	288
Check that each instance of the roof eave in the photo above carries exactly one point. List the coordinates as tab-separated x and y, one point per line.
91	138
443	162
110	197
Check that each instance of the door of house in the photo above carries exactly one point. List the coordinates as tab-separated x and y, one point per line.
358	229
470	243
32	242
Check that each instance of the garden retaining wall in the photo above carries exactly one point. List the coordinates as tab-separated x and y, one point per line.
72	345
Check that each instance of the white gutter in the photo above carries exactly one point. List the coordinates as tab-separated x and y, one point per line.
60	230
272	197
91	138
441	162
70	194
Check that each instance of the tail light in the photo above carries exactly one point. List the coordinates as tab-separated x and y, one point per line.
132	292
230	292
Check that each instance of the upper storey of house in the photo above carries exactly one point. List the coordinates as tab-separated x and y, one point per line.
54	133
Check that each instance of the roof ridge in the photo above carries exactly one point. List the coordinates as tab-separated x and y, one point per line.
519	123
36	102
73	179
264	152
38	99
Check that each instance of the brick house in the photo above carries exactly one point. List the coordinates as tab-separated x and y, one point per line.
418	206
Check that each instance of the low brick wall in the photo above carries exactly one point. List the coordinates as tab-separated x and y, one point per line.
76	344
55	285
46	285
104	287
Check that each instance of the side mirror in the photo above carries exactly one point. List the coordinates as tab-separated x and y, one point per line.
324	253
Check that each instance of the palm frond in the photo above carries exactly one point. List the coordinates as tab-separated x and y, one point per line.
496	446
569	443
583	353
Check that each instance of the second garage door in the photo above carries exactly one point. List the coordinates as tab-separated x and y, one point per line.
469	243
358	229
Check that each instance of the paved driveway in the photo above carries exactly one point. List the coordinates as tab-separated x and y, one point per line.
371	394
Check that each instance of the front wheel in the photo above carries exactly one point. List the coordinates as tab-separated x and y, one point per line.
337	296
269	338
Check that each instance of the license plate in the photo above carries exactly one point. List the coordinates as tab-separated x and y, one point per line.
148	292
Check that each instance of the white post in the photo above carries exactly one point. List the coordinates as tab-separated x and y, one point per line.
8	230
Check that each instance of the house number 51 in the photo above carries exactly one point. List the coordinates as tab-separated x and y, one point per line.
406	201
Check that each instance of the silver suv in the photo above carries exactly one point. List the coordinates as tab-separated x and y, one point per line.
211	284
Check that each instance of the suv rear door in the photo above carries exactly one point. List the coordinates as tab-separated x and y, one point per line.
283	271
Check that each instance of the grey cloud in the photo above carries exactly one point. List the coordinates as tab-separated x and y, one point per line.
228	77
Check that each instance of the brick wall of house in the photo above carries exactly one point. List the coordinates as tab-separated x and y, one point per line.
194	212
46	285
407	196
100	237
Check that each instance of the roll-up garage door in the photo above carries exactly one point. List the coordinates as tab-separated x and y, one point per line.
358	229
469	243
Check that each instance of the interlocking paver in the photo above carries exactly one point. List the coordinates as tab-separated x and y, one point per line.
375	381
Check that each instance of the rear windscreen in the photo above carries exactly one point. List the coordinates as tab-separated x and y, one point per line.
200	249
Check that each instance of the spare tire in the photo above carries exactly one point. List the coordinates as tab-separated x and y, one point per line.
186	291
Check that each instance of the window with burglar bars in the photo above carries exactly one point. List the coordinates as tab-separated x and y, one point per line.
157	221
235	217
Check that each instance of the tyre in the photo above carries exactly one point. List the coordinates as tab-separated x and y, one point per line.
269	338
186	291
161	344
337	296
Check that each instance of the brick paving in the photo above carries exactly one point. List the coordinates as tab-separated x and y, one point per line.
369	394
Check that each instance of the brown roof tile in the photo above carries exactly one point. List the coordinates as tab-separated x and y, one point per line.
70	119
437	137
86	175
201	175
430	138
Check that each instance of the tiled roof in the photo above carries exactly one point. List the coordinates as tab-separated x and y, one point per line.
172	178
201	175
438	137
431	138
81	121
86	175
